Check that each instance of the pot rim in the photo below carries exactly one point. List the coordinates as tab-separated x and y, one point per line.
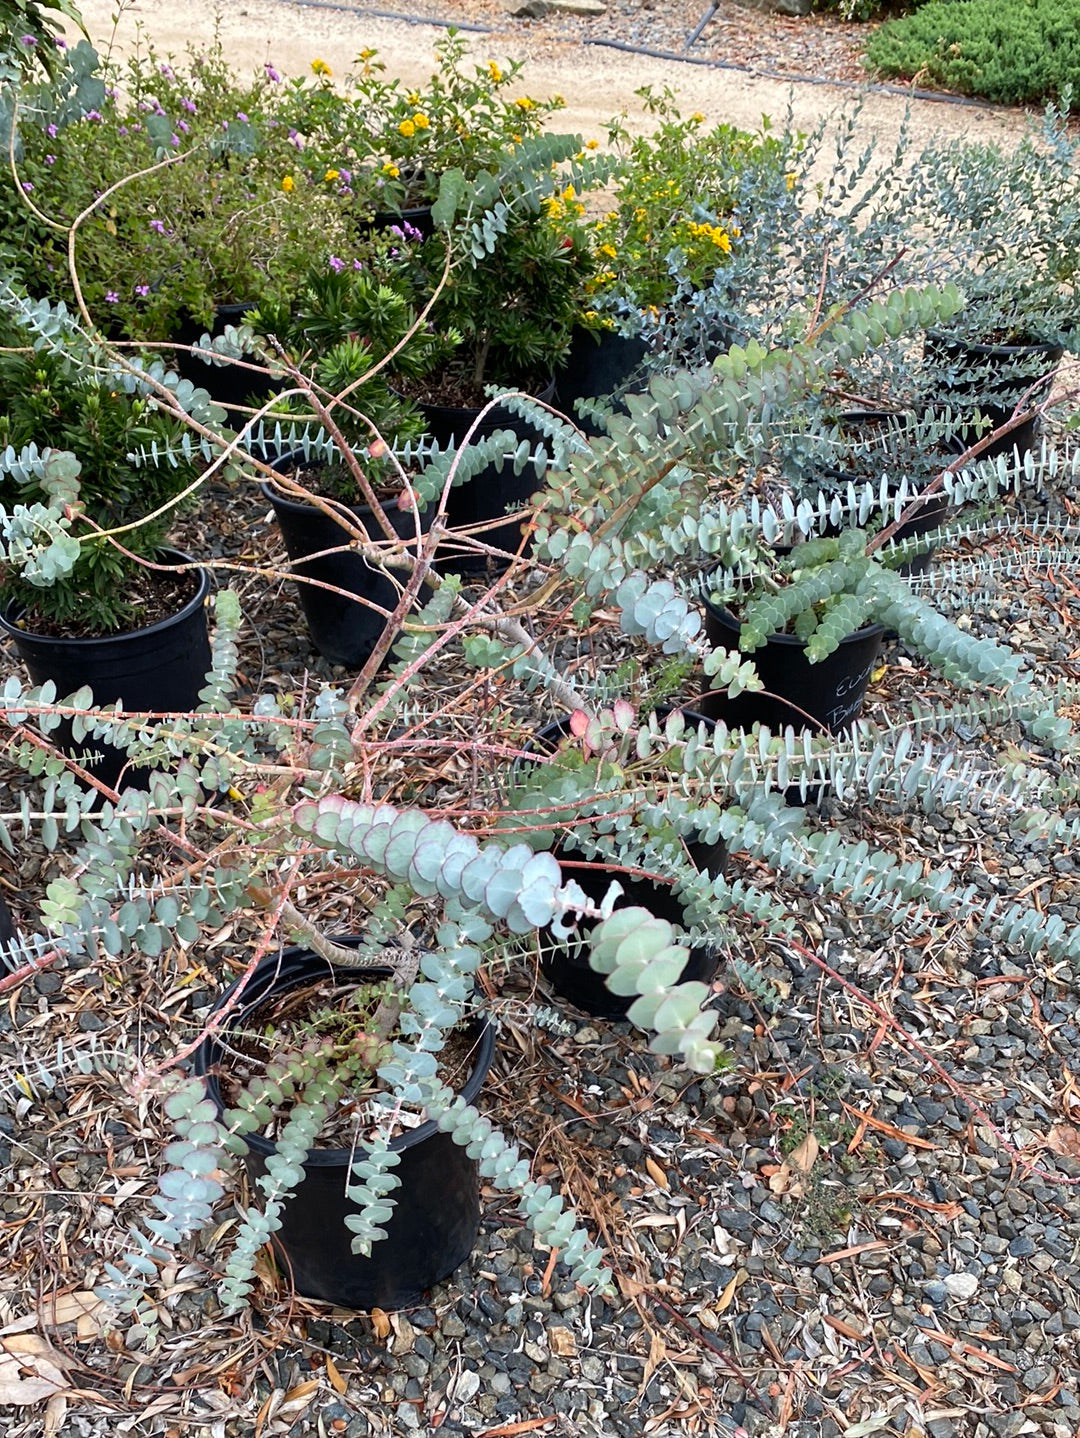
724	616
10	612
1006	349
265	974
300	506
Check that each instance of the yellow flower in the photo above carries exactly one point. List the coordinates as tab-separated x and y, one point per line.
569	193
413	98
391	170
320	67
525	103
640	214
331	176
288	184
420	120
697	117
789	180
495	73
591	144
407	128
516	139
366	54
610	251
722	240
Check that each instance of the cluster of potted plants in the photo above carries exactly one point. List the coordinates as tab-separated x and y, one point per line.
692	530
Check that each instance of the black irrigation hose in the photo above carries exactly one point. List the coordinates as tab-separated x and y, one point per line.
793	79
654	54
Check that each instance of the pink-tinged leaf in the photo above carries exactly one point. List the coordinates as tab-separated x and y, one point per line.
579	723
623	712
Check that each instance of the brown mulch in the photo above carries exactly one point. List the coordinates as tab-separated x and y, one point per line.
737	36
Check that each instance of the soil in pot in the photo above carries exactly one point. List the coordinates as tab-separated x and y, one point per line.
992	378
344	630
158	668
437	1206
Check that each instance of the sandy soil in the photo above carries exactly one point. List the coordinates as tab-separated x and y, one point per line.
596	82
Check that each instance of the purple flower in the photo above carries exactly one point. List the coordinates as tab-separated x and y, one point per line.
121	129
346	176
183	126
242	117
93	114
50	159
271	74
174	140
167	71
28	187
58	40
111	297
411	232
336	264
396	231
50	130
158	226
28	40
189	105
142	290
358	264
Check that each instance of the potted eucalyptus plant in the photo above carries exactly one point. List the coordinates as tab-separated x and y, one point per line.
111	606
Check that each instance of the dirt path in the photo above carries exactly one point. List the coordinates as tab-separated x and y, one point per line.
597	82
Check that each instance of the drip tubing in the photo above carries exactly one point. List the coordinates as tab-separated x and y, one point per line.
880	89
628	48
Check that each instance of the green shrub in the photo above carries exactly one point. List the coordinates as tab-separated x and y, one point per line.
1013	52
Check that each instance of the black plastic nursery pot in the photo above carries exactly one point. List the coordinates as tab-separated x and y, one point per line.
226	384
489	494
344	630
864	428
827	695
437	1207
993	378
565	965
158	669
599	362
412	218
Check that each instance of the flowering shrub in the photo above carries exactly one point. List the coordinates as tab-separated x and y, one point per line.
395	142
683	200
212	224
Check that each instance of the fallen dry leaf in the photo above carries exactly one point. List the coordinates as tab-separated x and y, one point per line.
804	1155
380	1323
734	1282
656	1173
562	1342
1064	1139
28	1380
